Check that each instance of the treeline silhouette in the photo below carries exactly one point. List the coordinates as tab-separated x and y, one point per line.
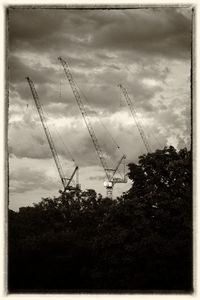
139	242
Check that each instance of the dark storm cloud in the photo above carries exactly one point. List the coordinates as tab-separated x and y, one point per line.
149	70
33	144
18	69
42	30
25	179
164	31
98	44
29	145
47	87
99	94
31	26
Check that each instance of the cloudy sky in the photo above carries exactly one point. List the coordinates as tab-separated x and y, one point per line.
146	50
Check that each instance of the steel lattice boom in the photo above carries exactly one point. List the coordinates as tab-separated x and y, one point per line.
134	114
49	138
85	116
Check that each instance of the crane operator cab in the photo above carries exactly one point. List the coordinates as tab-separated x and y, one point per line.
108	184
109	187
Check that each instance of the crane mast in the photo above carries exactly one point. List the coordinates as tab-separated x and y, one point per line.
110	184
49	138
133	112
109	172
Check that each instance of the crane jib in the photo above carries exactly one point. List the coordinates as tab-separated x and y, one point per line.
48	135
85	116
134	114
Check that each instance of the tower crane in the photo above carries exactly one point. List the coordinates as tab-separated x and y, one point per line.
65	181
109	172
133	112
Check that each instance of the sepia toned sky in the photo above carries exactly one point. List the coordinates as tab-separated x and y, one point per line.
146	50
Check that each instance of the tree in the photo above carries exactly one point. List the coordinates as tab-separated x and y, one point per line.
82	241
162	181
161	201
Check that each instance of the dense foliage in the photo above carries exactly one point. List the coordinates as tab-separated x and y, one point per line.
82	242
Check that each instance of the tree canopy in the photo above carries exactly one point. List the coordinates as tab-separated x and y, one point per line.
140	241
